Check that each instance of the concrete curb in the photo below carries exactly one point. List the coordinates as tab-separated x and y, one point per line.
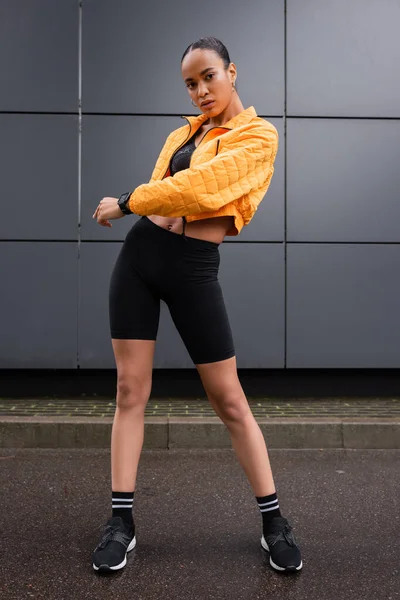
196	432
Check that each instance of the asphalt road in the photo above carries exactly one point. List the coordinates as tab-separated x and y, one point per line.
198	526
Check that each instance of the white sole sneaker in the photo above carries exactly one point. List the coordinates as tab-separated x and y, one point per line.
289	569
122	564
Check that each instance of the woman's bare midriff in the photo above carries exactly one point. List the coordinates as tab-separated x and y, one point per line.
212	230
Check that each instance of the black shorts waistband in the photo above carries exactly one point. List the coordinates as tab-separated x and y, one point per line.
178	237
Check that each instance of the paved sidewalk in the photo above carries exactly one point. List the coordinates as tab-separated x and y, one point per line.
192	423
200	407
198	526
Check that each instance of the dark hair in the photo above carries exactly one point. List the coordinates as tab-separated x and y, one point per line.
210	43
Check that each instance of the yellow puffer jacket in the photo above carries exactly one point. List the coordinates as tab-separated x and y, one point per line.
230	172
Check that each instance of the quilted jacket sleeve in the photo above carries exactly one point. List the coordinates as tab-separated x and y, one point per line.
241	166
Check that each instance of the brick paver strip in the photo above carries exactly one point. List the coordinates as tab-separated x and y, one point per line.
200	407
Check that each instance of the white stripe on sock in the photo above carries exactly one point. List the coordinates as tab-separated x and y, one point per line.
122	506
266	503
122	499
267	509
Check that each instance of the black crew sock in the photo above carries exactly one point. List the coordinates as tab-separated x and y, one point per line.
269	509
122	506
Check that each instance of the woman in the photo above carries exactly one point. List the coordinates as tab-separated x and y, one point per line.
207	183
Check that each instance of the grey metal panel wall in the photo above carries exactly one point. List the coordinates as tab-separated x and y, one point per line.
323	243
253	279
342	57
118	154
40	183
342	183
38	304
139	72
343	305
39	55
95	266
343	180
119	148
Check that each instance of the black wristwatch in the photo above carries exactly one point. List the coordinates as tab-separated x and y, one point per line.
123	203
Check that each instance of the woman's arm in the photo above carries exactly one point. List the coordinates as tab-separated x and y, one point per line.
239	168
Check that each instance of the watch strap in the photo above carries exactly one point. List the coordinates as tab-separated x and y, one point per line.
123	203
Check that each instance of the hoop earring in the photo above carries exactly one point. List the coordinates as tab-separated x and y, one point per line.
194	103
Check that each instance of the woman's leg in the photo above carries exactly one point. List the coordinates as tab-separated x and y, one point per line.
134	311
198	311
134	360
225	393
200	316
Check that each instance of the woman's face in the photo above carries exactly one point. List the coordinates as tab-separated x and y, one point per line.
206	79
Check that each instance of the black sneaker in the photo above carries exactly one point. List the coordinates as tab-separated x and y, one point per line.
118	539
282	546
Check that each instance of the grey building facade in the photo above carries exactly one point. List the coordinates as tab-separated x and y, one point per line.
89	92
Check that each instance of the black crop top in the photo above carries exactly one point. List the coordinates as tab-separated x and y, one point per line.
181	160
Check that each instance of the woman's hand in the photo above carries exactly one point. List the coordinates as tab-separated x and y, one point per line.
107	209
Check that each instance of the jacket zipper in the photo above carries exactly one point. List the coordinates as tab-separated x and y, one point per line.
190	130
227	129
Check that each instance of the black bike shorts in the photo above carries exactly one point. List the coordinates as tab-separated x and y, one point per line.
155	264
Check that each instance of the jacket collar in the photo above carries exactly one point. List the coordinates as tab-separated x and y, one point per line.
240	119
